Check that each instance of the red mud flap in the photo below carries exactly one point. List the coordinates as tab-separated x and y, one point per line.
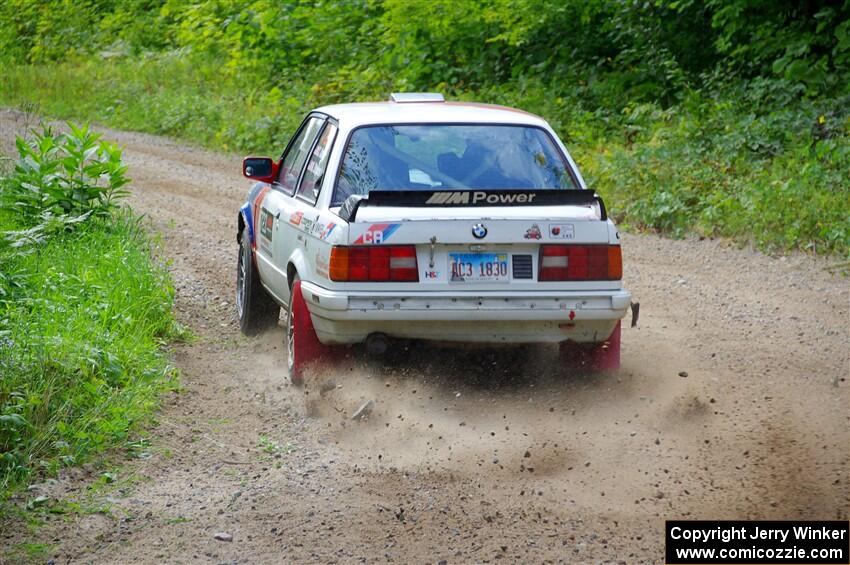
305	349
604	356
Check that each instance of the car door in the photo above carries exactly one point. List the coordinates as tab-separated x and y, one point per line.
302	217
276	208
313	242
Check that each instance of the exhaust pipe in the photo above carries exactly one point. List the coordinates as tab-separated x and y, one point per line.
377	344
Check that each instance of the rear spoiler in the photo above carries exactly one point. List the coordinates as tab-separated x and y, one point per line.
470	198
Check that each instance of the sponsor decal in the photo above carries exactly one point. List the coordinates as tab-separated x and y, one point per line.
432	274
533	232
562	231
448	198
327	230
509	197
295	219
307	224
257	203
322	266
266	224
377	234
480	197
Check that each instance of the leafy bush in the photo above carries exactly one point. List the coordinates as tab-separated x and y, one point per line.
67	174
84	309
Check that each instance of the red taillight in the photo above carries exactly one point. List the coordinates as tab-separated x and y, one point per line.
374	263
580	263
358	264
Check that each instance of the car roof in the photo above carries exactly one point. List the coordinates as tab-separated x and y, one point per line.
367	113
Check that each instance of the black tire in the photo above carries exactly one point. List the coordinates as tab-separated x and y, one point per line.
257	311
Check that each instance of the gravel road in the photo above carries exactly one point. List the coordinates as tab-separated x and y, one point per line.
470	455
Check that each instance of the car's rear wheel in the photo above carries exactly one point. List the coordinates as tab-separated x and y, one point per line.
255	308
603	356
302	344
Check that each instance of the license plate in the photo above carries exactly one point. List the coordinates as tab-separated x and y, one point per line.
478	267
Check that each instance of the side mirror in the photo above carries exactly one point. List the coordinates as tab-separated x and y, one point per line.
262	169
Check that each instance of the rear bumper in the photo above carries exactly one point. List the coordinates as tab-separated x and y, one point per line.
508	317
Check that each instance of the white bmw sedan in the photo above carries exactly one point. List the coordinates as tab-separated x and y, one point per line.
423	219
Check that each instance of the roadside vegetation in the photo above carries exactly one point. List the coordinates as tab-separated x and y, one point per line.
723	118
84	308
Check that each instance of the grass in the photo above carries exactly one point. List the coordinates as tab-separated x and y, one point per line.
31	552
83	319
167	95
751	162
271	447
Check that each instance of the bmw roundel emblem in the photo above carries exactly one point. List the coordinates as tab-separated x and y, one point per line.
479	231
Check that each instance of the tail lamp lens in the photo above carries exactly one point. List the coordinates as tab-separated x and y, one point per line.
580	263
374	264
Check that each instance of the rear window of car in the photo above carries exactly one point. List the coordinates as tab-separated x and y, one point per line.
450	156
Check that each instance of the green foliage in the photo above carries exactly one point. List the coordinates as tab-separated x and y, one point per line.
805	42
725	117
39	31
84	309
68	174
81	324
777	176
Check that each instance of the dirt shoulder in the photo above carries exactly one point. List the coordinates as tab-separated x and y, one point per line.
471	456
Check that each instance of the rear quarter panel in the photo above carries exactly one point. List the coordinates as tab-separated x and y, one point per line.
320	233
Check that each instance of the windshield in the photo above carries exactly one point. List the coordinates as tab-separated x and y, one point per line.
439	156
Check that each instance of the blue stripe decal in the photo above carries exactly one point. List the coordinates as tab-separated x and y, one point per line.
390	230
249	221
